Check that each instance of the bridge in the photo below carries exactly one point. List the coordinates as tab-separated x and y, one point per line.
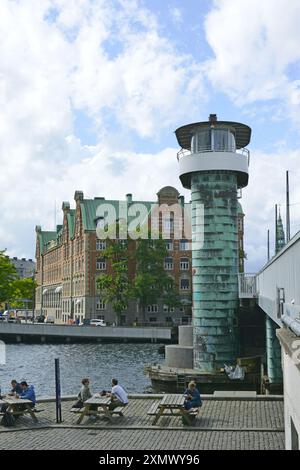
276	289
278	285
71	333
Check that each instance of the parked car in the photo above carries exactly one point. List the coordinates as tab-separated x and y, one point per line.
39	319
97	322
49	319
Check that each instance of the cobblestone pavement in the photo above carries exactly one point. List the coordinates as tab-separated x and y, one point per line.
233	424
140	439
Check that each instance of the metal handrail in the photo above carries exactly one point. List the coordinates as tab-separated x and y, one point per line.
242	151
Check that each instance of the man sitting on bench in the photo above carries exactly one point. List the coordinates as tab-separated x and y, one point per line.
118	395
28	393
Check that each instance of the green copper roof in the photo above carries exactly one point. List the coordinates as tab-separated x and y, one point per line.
45	237
70	219
89	208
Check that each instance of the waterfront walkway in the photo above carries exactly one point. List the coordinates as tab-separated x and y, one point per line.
223	423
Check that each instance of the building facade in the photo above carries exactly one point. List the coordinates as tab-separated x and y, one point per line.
25	267
70	259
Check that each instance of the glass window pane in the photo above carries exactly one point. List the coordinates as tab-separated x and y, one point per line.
204	140
220	140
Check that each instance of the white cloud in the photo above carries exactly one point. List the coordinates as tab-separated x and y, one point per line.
110	58
57	55
255	44
176	15
267	173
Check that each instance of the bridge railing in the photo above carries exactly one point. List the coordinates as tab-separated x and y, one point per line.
247	285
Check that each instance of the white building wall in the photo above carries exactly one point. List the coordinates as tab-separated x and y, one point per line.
282	271
291	377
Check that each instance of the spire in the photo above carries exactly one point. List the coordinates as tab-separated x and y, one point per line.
280	238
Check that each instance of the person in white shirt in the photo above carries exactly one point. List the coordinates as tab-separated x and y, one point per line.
118	395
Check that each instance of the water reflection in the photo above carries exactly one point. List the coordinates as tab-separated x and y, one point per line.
99	362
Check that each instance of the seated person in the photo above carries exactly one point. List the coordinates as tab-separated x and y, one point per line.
118	395
84	394
192	397
16	388
27	393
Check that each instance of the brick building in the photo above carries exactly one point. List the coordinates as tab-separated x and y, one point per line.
70	259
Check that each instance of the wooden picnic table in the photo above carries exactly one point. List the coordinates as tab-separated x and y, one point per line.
14	406
172	405
102	404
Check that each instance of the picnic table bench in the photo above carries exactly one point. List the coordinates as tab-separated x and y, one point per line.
102	405
172	405
15	409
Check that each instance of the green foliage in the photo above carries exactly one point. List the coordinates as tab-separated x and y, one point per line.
152	282
8	274
115	287
22	288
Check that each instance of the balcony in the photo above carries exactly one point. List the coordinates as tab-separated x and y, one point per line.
242	151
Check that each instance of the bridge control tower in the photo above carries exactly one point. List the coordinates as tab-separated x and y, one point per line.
213	163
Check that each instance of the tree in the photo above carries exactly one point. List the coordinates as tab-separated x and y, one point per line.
22	288
152	282
8	274
116	287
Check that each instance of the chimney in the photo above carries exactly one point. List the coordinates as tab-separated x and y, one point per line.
129	198
65	206
78	196
181	200
212	118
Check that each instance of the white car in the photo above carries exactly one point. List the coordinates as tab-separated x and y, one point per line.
97	322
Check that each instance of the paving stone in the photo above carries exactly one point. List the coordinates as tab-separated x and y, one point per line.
221	424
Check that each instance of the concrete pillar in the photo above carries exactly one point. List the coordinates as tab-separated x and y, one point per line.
185	335
274	367
179	356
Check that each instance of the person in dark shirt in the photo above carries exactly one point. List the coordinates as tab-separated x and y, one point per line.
15	388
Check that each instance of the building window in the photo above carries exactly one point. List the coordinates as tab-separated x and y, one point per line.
100	245
184	245
152	308
123	243
168	309
101	264
100	305
184	264
100	317
169	245
169	320
168	264
169	224
152	319
184	284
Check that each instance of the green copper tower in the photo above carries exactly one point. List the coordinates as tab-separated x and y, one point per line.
213	163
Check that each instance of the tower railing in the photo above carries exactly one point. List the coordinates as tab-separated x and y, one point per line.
242	151
247	285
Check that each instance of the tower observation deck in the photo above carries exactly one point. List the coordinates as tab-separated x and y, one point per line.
213	163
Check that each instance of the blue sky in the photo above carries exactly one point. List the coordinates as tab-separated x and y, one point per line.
91	92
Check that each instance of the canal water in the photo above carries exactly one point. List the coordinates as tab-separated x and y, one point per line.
100	362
